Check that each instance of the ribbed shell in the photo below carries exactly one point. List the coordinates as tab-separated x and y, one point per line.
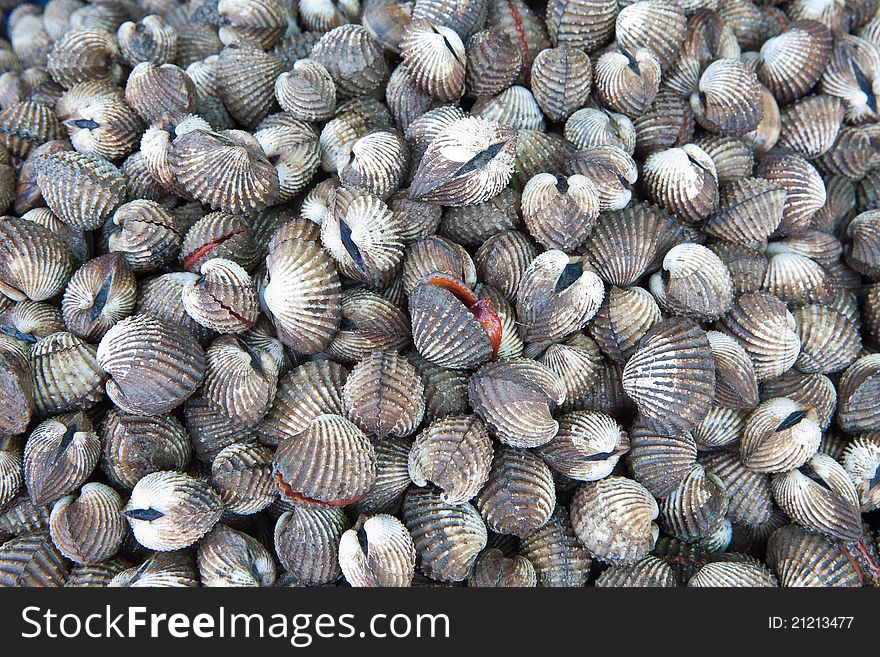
375	163
727	100
612	170
613	517
493	569
392	477
577	362
805	190
218	235
801	558
736	385
448	538
227	557
792	62
307	542
32	560
84	54
370	323
766	330
682	181
589	127
749	498
810	125
353	58
145	233
516	399
89	527
558	557
473	224
493	63
455	454
59	456
171	510
625	316
153	366
628	83
852	76
307	92
830	340
133	446
693	282
858	389
733	575
821	497
377	551
560	213
671	376
331	462
587	447
647	572
149	40
652	24
11	473
242	475
696	507
816	392
435	58
66	374
863	248
384	395
100	294
303	295
160	570
98	120
657	461
861	461
749	210
223	299
25	126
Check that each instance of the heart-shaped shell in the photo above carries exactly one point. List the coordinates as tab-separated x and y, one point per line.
353	58
435	59
162	94
736	385
613	517
820	496
375	163
858	388
448	538
516	399
223	298
467	163
384	395
145	233
32	560
84	54
154	367
852	75
161	569
101	293
556	553
27	125
861	461
134	446
66	374
560	213
671	376
587	447
493	62
493	569
455	454
89	527
242	475
151	39
611	169
693	282
293	148
59	456
696	507
307	540
803	558
727	100
330	462
227	557
652	24
352	121
557	296
81	188
792	62
749	498
749	211
659	462
627	82
766	330
377	551
805	190
307	92
98	120
519	495
302	294
683	181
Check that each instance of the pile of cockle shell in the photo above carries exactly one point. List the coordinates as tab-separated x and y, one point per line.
313	292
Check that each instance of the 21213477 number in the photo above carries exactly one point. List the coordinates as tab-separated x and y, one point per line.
810	622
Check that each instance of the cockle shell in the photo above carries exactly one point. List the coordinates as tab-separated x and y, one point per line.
384	395
696	507
792	62
149	40
778	437
67	375
227	557
59	455
736	385
240	379
589	127
861	461
693	282
435	59
727	100
307	538
377	551
611	169
628	82
162	569
493	569
587	447
353	58
242	475
84	54
101	293
800	557
682	181
749	498
32	560
749	211
145	233
857	389
560	213
556	553
223	298
89	527
36	264
654	25
493	62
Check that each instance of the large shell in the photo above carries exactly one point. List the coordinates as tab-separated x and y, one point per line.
810	125
454	453
671	376
792	62
516	399
171	510
519	495
801	558
377	551
89	527
384	395
613	519
330	462
84	54
59	456
448	538
98	120
153	366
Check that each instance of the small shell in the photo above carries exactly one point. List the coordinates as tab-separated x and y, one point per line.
862	251
302	295
624	317
728	98
98	120
89	527
515	107
830	341
385	22
765	136
467	163
557	296
652	24
736	385
227	557
369	323
11	472
766	330
683	181
732	156
27	125
810	125
613	519
660	462
519	495
792	62
696	507
628	82
668	123
587	447
307	92
822	497
447	538
307	540
778	437
375	163
493	569
145	233
493	63
384	395
589	127
814	391
392	477
858	389
733	574
223	298
749	211
516	399
612	170
242	475
331	462
556	553
66	374
218	235
293	148
377	551
577	362
671	376
454	453
649	571
59	456
852	76
170	364
161	94
32	560
560	213
750	501
137	445
693	282
100	294
171	510
84	54
149	40
161	569
861	462
471	225
435	59
353	58
801	558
